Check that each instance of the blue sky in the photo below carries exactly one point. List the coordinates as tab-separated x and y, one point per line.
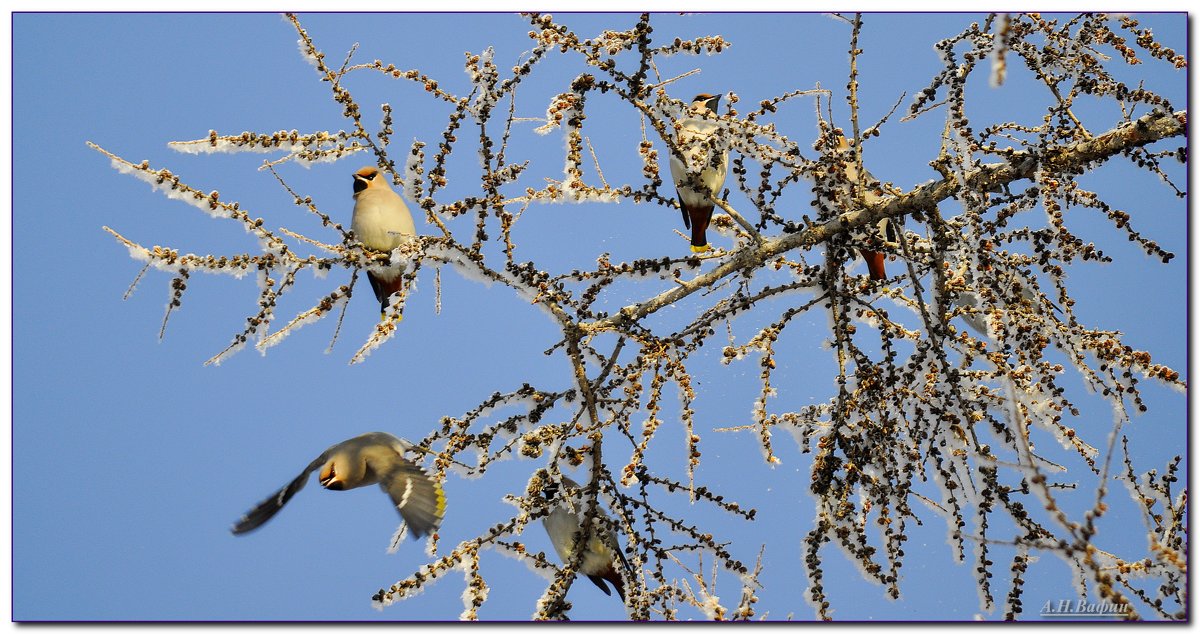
131	459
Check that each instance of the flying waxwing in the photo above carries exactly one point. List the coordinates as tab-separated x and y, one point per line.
381	222
371	458
697	141
562	525
884	231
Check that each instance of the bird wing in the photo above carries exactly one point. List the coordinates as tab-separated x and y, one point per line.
687	220
267	509
419	498
616	548
890	230
599	581
377	287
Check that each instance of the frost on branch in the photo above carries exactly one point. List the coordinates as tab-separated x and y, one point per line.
949	399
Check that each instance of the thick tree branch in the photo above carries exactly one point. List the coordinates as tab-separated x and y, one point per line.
1147	129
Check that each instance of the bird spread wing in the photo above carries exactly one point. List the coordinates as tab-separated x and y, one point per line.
419	498
267	509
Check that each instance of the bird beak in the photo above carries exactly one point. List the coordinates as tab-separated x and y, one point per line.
360	183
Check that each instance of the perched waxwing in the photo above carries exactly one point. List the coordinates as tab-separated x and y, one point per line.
883	232
372	458
875	259
969	298
563	524
381	222
698	143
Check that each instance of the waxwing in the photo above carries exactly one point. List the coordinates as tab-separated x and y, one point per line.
563	525
706	164
372	458
381	221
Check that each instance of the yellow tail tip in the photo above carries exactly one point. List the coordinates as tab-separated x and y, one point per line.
441	501
701	249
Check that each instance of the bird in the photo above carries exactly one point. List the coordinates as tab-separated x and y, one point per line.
698	145
372	458
380	221
875	259
977	309
563	524
884	231
974	315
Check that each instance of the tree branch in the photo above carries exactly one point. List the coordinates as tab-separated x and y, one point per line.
1147	129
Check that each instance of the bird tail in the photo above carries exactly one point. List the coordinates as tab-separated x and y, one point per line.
700	217
618	583
875	265
612	576
384	289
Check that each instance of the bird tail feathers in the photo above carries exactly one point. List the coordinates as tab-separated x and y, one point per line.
875	264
